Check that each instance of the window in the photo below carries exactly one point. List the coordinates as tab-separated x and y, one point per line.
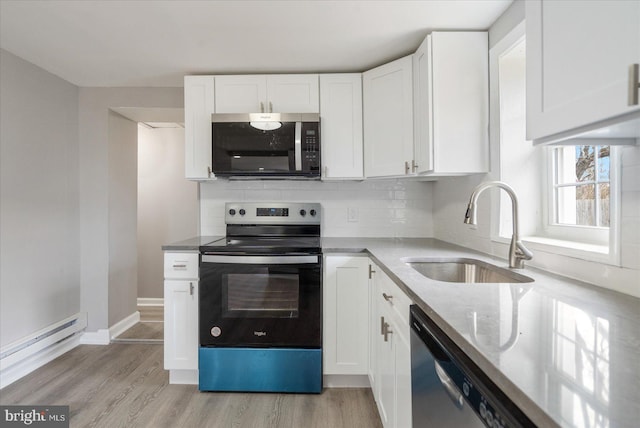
581	186
581	194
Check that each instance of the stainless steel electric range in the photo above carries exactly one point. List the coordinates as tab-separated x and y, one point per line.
261	301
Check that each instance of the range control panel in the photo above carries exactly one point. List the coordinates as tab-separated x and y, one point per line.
272	213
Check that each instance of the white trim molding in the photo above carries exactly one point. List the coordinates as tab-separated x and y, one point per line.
104	336
150	301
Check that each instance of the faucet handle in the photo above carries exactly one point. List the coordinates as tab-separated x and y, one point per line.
523	252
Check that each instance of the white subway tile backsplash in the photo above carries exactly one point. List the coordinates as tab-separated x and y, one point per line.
385	208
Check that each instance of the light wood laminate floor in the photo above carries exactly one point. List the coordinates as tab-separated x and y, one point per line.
125	385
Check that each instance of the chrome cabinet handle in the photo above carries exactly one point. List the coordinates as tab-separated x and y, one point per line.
382	324
387	297
387	332
270	107
371	271
414	165
261	107
634	84
191	288
406	167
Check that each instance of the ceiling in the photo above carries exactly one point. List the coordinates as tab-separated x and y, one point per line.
155	43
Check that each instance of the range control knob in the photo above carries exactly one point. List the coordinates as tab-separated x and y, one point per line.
303	213
232	212
313	213
242	211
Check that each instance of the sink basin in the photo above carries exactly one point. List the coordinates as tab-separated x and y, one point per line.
464	271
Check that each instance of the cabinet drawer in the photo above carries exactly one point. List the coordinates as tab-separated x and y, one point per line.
181	265
395	298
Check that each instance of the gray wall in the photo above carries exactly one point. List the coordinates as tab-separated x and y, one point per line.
104	304
167	203
39	237
123	218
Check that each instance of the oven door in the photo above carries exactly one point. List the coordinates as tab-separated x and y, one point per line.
261	301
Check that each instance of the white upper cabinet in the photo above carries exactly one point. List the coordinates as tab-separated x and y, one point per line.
278	93
578	60
388	118
341	126
198	107
451	104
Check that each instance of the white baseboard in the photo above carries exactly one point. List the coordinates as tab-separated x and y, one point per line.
346	381
150	301
104	336
123	325
100	337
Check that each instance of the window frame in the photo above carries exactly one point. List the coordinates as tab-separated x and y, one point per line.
585	242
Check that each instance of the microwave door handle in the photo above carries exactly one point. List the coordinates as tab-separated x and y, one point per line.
298	146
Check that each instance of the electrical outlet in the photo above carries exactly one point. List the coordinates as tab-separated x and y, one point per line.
352	214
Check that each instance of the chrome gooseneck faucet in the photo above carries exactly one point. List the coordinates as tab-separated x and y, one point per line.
518	253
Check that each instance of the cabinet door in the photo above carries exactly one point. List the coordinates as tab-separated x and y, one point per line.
341	125
388	118
374	328
346	315
422	108
293	93
198	107
241	94
386	397
451	84
181	325
578	58
403	376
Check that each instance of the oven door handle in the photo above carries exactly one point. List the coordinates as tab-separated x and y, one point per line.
261	260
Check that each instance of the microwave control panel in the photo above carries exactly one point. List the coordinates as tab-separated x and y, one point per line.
311	146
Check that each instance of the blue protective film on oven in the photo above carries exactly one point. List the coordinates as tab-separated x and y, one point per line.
260	370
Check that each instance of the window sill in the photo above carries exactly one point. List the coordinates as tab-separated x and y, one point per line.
578	250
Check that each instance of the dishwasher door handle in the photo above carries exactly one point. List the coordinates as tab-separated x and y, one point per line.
448	385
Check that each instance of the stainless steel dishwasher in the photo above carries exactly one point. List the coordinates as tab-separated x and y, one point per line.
448	389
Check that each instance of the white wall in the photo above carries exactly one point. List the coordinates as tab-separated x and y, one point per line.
39	239
95	171
167	203
385	208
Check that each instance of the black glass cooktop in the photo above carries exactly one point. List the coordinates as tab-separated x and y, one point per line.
264	245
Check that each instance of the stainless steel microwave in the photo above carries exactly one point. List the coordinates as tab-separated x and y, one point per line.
266	145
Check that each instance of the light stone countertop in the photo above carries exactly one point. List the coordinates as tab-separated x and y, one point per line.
566	352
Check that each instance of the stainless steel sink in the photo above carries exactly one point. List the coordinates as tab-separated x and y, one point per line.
464	271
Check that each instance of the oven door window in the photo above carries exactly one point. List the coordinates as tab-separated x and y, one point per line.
261	295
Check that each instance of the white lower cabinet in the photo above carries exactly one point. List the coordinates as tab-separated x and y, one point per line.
181	318
346	316
392	370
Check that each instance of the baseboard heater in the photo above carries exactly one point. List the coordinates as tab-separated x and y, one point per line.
39	348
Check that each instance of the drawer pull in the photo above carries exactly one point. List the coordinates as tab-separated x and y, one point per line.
387	297
191	288
180	266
